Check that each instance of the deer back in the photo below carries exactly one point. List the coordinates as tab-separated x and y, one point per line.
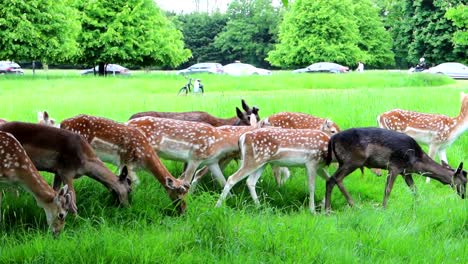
294	120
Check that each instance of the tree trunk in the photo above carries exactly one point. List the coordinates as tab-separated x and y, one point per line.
102	70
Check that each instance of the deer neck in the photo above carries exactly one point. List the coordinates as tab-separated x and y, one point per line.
38	187
233	121
155	166
429	168
461	121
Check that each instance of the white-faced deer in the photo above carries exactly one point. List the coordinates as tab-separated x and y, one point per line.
124	145
67	155
437	131
17	168
196	143
293	120
283	147
385	149
203	117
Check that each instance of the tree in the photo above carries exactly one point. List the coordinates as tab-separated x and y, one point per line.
200	30
132	32
250	32
374	41
459	16
38	30
317	30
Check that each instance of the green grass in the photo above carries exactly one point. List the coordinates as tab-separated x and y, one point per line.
429	228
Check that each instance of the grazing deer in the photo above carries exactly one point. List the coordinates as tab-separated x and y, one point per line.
437	131
385	149
293	120
17	168
124	145
67	155
283	147
203	117
196	143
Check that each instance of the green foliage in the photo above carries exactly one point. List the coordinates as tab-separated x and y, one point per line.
375	42
250	31
200	30
315	31
40	30
459	16
129	32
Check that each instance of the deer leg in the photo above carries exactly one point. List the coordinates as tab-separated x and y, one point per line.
57	182
252	182
443	155
337	177
243	172
410	182
311	173
131	173
323	173
389	186
216	173
433	150
189	173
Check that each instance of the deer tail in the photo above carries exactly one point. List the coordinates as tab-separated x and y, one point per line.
330	152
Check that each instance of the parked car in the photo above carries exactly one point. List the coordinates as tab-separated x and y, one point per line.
10	67
452	69
323	67
113	69
206	67
238	68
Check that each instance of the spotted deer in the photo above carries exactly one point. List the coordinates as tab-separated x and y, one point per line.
385	149
67	155
294	120
203	117
17	168
124	145
437	131
196	143
284	147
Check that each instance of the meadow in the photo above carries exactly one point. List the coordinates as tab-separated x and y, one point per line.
431	227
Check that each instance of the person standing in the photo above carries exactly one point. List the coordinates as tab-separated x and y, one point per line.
360	67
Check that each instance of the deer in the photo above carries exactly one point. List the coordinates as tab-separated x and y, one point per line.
124	146
18	169
69	156
294	120
195	143
284	147
203	117
380	148
435	130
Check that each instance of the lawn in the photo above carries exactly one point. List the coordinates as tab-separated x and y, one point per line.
430	227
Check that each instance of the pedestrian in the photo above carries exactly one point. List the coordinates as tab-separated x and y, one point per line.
360	67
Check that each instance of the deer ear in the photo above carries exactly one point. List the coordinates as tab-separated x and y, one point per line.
64	190
460	168
123	174
239	113
245	106
170	183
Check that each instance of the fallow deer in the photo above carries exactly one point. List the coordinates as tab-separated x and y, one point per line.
283	147
17	168
437	131
385	149
196	143
67	155
203	117
124	145
294	120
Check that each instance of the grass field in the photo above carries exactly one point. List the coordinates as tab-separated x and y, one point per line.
431	227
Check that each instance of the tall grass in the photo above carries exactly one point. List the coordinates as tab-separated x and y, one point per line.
430	227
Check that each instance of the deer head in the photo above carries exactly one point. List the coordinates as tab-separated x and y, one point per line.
177	190
126	185
44	119
459	181
57	210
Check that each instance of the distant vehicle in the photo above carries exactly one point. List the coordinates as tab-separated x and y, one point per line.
329	67
452	69
113	69
10	67
238	69
206	67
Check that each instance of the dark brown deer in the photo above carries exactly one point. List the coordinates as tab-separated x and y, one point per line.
17	168
67	155
385	149
122	146
204	117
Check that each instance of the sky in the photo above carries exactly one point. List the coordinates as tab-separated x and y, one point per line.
188	6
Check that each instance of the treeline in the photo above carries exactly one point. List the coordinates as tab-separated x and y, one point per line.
381	33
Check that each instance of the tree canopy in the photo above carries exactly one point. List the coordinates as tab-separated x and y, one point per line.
38	30
459	16
132	32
